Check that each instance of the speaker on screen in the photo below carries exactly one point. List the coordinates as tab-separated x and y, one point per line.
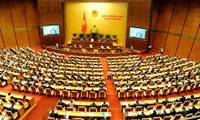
136	32
49	30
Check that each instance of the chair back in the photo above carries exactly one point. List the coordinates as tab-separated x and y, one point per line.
131	93
66	93
140	93
51	118
167	118
165	91
102	94
18	87
128	109
26	88
159	106
103	109
150	107
168	106
186	103
84	94
70	109
74	94
179	89
171	90
33	89
138	108
13	85
9	113
178	104
157	92
93	109
3	99
41	90
195	101
20	102
48	91
12	101
57	92
177	117
157	118
59	107
93	95
148	92
82	108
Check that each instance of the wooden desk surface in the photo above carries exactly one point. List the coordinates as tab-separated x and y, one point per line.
83	114
74	88
85	103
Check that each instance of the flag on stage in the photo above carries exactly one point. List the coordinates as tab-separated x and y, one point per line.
84	24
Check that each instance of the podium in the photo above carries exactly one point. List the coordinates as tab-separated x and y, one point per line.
95	36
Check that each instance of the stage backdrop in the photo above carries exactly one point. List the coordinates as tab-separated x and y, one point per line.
109	18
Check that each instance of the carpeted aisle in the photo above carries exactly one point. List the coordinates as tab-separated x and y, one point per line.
114	102
42	108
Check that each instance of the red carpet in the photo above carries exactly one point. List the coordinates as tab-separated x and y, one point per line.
114	102
43	106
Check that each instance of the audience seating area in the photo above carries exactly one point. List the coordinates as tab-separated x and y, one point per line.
153	76
184	107
80	110
13	106
52	74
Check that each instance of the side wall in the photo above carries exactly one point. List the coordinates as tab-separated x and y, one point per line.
175	27
18	23
139	15
51	12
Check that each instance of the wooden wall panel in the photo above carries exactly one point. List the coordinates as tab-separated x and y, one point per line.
158	41
31	13
34	37
22	38
195	54
171	44
14	24
17	12
139	16
1	40
165	14
155	13
9	39
179	16
184	47
180	34
152	35
193	19
5	19
51	13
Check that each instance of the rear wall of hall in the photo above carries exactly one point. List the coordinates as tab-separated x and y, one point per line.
174	24
175	27
111	18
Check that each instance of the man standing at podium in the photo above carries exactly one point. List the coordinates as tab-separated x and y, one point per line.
94	29
94	33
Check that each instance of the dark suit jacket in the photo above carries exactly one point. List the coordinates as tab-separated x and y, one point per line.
53	114
62	103
13	110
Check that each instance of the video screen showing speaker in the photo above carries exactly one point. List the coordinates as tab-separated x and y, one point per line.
49	30
136	32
